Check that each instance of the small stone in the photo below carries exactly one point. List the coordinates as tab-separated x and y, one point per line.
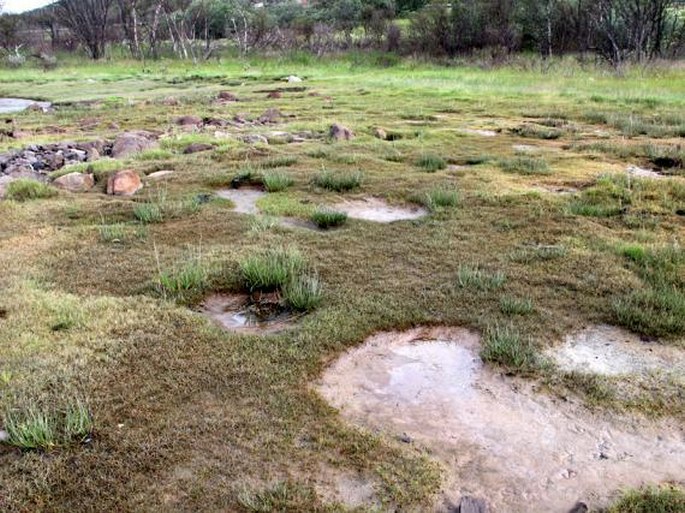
124	183
293	79
197	147
75	182
189	121
254	139
381	134
160	175
580	507
339	132
271	116
472	505
4	435
227	96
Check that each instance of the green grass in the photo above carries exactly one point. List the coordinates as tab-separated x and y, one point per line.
504	346
510	305
284	161
525	166
186	280
470	277
303	292
431	163
656	312
159	208
325	218
664	499
271	269
537	132
538	253
339	181
24	189
275	181
32	427
440	198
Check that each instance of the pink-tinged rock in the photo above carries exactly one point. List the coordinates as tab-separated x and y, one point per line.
124	183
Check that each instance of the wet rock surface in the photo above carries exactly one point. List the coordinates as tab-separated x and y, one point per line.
498	439
260	314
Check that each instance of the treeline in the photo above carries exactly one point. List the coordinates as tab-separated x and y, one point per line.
615	30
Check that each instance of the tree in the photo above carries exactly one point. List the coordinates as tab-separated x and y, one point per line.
88	21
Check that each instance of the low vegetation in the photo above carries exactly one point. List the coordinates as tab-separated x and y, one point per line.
504	346
339	181
325	218
24	189
471	277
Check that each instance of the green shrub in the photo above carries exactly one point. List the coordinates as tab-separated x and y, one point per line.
431	163
33	427
271	269
25	189
515	306
475	278
441	198
504	346
275	181
325	218
666	499
525	166
303	292
339	182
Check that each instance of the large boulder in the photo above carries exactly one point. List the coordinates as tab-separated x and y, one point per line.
75	182
130	143
339	132
124	183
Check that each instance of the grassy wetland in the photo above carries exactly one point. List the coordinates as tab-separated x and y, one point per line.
117	394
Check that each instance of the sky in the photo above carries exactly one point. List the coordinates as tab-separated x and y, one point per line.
24	5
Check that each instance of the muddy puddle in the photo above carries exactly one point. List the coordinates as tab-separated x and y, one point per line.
497	439
11	105
639	172
245	199
611	351
240	313
377	210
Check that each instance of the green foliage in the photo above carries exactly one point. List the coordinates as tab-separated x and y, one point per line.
525	166
325	217
656	312
303	292
185	280
665	499
470	277
284	496
515	306
506	347
441	197
33	427
159	208
537	253
25	189
275	181
431	163
339	181
271	269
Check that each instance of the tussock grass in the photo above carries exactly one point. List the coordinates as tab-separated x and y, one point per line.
339	181
271	269
431	163
664	499
260	224
525	166
303	292
440	197
538	253
284	496
657	312
283	161
185	280
325	217
25	189
159	208
510	305
470	277
275	181
33	427
503	345
537	132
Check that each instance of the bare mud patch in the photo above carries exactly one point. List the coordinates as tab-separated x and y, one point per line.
639	172
377	210
497	438
611	351
241	313
245	199
480	132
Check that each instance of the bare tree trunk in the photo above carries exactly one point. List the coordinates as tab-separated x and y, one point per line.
88	21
